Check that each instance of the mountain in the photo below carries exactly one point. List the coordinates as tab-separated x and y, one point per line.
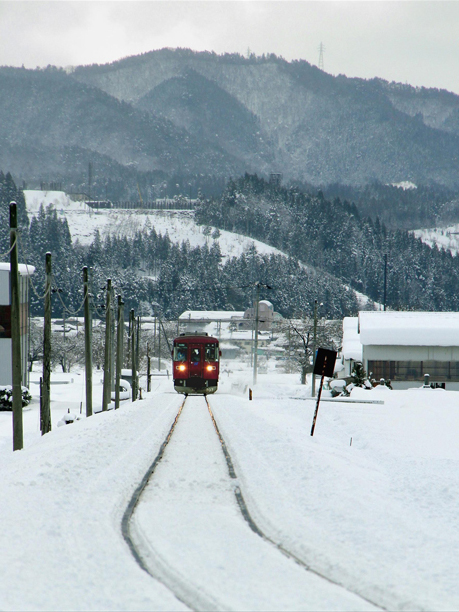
172	121
321	128
48	119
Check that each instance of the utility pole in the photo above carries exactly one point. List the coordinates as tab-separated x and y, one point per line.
314	346
154	337
148	368
87	343
159	347
385	280
112	347
18	437
46	403
119	350
255	350
107	357
64	360
133	360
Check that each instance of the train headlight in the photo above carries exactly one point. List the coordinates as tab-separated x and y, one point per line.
181	367
209	368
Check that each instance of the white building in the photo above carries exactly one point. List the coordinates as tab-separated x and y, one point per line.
404	346
6	371
218	320
351	350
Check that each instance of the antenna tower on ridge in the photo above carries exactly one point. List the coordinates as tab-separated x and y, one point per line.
321	56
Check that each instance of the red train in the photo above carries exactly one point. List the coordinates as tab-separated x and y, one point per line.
196	364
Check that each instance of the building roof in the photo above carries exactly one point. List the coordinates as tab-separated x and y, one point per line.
24	270
409	328
211	315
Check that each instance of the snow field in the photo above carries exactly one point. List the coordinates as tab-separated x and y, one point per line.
62	503
380	516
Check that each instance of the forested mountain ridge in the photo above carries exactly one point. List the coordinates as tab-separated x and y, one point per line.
177	120
333	237
48	119
324	129
148	267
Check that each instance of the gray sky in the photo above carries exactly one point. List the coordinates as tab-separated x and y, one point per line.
406	41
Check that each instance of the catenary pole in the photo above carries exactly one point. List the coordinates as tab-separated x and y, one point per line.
87	343
18	439
107	357
46	403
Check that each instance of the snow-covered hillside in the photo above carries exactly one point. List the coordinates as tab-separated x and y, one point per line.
446	237
179	224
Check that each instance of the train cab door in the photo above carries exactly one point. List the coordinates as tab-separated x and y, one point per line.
195	361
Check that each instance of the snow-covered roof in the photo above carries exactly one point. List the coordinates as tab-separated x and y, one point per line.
24	270
352	347
211	315
409	328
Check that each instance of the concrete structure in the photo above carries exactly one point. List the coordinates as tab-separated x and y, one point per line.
6	373
404	346
266	316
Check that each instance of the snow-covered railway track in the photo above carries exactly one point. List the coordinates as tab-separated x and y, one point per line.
184	529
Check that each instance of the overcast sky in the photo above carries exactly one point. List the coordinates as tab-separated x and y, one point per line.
413	42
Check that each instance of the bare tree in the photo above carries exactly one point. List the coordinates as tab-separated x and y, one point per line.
67	351
299	341
35	344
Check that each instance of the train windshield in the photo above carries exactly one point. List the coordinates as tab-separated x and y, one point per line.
211	352
195	355
180	352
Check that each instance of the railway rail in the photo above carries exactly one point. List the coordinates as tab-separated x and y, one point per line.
190	596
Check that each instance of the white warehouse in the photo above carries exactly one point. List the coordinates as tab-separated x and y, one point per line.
404	346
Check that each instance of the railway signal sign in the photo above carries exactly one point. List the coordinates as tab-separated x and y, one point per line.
324	366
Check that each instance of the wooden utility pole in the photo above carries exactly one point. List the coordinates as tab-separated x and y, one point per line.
133	357
159	347
314	345
385	280
46	402
107	357
148	368
255	350
18	438
119	350
87	343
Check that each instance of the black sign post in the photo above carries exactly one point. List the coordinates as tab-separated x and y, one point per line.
324	366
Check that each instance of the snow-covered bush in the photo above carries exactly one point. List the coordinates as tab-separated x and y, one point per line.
6	397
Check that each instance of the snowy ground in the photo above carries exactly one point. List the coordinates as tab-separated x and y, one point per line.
379	517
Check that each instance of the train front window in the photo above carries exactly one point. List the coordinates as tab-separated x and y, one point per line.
195	355
211	352
180	353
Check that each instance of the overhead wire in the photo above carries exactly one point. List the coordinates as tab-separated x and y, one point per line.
21	246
